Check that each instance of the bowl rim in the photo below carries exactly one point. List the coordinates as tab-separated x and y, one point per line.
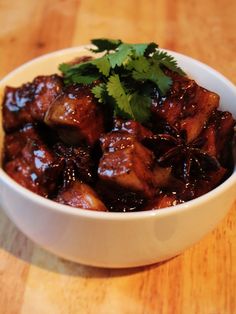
66	209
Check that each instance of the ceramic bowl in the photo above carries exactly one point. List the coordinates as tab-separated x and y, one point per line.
116	240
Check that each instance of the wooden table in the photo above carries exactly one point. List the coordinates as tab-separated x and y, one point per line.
203	279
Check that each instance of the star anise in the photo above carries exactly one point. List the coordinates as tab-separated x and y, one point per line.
189	161
72	163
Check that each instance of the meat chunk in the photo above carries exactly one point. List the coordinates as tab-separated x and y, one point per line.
29	102
187	107
218	134
206	103
47	88
19	170
76	115
127	163
134	128
30	168
14	142
15	107
80	195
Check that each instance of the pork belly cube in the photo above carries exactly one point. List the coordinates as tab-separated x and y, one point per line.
218	134
116	140
38	156
80	195
187	106
29	102
21	171
47	88
16	106
132	127
14	142
206	102
76	115
31	167
128	164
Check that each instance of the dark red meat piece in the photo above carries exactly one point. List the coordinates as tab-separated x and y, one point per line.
29	102
76	116
80	195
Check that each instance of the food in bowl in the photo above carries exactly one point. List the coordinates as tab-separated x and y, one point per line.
127	131
116	239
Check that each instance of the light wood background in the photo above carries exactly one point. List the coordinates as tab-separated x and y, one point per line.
203	279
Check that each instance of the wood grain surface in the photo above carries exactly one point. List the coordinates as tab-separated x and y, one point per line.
203	279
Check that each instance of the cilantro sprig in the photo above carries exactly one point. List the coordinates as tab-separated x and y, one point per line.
124	76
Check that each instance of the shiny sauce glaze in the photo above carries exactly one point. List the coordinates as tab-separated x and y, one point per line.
63	145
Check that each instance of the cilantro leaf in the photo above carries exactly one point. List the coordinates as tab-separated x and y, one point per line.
139	48
104	44
100	92
64	67
151	48
139	64
168	61
117	92
140	104
154	74
83	78
119	57
102	64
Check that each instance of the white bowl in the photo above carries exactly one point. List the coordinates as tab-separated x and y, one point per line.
116	239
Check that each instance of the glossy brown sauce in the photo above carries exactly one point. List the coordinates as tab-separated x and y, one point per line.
62	144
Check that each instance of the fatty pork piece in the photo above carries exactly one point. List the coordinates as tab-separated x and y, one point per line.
76	116
29	102
31	165
127	163
187	106
132	127
14	142
218	135
80	195
163	200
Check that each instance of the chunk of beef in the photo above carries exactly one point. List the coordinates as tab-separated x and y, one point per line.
187	106
29	102
76	115
80	195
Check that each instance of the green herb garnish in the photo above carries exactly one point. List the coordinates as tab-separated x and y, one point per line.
127	74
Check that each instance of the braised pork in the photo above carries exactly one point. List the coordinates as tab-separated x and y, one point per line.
187	106
29	102
80	195
76	116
